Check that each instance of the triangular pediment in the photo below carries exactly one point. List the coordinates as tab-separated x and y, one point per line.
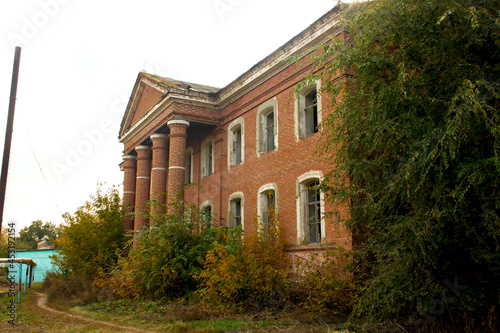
148	91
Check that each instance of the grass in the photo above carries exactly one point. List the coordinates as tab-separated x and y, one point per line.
30	318
153	316
183	317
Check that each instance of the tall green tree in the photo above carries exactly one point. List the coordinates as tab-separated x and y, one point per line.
4	245
91	239
415	142
29	236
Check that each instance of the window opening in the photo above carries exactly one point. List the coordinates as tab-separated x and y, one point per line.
237	146
189	168
269	131
269	209
236	210
314	213
311	113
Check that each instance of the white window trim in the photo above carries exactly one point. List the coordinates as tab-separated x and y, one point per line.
236	195
301	202
300	105
204	155
207	203
230	138
189	154
264	110
260	193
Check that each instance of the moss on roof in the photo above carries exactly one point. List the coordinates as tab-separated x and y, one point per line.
172	83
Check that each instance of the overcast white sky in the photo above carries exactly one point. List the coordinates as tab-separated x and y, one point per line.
79	62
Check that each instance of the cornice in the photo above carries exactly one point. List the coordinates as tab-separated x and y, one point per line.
161	106
320	31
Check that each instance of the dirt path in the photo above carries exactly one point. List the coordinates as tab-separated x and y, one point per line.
36	316
42	304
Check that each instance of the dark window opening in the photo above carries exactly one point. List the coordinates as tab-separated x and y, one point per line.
209	159
311	113
269	132
237	146
314	213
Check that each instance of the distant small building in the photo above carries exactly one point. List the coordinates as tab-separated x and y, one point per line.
45	244
42	260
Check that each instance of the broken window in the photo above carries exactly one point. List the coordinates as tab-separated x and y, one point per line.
311	113
269	131
206	214
267	126
236	142
237	146
313	213
207	158
307	111
189	166
268	209
235	215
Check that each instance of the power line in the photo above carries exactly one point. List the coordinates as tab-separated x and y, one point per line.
43	175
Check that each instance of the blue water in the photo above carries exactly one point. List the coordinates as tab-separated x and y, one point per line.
43	263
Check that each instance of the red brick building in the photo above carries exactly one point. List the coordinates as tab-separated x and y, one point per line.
247	146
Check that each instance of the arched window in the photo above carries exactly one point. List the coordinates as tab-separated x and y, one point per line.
207	157
267	205
307	111
236	209
189	166
310	208
267	126
235	142
207	212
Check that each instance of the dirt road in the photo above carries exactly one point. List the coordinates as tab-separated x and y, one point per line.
37	316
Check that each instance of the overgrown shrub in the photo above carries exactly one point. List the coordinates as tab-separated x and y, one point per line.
164	259
250	271
92	238
414	142
323	284
74	287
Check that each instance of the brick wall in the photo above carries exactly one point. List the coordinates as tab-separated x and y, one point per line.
292	158
282	166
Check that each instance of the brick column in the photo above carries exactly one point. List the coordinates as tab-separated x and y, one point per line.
177	160
129	178
142	184
159	168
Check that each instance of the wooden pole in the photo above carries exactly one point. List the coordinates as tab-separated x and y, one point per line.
31	275
19	285
8	132
26	277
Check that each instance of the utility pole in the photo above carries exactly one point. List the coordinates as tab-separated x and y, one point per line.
8	132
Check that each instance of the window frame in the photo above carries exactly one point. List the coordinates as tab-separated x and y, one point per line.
262	202
188	177
237	196
208	204
301	131
303	183
207	164
236	125
271	106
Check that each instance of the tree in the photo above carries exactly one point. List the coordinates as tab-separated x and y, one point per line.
4	248
415	144
91	239
167	257
35	232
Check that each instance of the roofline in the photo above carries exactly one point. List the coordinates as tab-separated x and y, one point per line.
319	31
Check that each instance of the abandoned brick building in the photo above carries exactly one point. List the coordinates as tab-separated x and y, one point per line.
247	146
